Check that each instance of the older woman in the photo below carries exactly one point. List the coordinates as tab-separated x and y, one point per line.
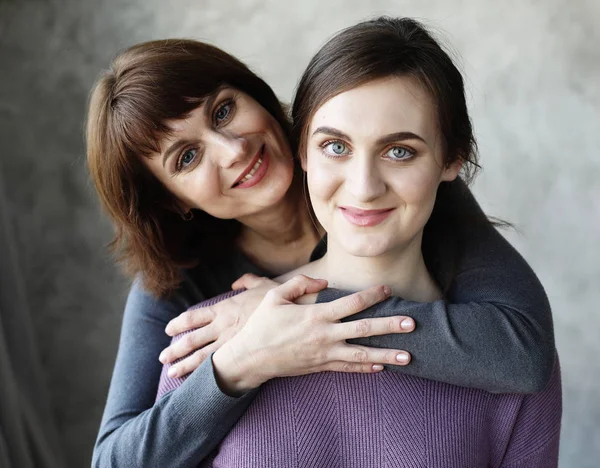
190	153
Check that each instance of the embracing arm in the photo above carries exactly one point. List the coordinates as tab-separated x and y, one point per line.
183	427
496	333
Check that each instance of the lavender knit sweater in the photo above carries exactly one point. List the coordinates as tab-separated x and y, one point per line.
392	420
389	419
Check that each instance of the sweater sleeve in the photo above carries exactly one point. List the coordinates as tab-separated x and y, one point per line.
534	440
496	331
183	427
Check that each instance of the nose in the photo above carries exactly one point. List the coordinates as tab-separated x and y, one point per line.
228	149
365	180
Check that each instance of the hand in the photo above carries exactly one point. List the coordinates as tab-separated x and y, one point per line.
282	338
212	325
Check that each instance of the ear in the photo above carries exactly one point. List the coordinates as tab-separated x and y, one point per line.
451	171
303	161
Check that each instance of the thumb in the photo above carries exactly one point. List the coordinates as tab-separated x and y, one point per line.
248	281
298	286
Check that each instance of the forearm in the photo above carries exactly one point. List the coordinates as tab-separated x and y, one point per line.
180	430
485	346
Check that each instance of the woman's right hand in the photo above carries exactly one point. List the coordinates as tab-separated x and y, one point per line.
282	338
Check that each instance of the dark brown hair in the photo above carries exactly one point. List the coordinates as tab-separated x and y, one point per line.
386	47
146	86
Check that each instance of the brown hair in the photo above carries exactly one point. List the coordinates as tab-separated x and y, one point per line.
386	47
146	86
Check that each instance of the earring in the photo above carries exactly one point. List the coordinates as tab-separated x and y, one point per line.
187	216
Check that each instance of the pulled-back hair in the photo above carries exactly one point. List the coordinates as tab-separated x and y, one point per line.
146	86
387	47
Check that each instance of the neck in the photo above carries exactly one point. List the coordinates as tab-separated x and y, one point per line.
283	236
403	270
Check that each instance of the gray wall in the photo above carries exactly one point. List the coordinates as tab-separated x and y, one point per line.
533	73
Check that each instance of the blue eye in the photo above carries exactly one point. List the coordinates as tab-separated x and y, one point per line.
336	148
187	158
223	112
400	153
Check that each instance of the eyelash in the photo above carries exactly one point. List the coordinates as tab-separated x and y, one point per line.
179	164
222	104
227	102
323	145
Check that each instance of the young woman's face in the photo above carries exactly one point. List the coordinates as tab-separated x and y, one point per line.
374	162
230	157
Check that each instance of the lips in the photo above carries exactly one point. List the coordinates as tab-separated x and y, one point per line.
250	166
365	218
255	171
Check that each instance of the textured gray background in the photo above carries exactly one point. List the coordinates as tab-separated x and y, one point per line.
533	73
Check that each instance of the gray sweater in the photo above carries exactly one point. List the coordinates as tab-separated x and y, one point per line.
494	334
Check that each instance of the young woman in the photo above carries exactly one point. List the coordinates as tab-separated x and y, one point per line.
189	152
383	132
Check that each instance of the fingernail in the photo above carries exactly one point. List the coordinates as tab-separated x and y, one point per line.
402	357
407	324
387	291
172	372
162	357
377	367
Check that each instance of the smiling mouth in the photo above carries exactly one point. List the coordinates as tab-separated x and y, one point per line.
365	218
250	171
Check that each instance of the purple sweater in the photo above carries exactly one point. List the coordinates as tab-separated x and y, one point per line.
389	419
393	420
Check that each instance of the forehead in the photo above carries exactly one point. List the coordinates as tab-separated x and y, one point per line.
379	107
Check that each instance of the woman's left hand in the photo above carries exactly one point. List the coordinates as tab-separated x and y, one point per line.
213	325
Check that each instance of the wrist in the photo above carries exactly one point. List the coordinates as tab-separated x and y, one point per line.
235	371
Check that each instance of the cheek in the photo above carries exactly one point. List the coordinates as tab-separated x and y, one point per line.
418	188
322	178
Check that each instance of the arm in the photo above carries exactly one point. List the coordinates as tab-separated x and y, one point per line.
184	426
496	334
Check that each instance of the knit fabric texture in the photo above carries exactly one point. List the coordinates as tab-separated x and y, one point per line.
166	383
393	420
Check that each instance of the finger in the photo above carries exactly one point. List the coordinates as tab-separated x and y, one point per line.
190	319
364	354
360	368
297	286
247	281
354	303
193	361
187	343
373	326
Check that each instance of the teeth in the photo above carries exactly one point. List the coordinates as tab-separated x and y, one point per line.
250	174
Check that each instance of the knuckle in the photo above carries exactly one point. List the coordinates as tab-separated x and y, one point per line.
362	327
200	356
299	279
358	302
188	341
360	355
271	295
188	318
347	367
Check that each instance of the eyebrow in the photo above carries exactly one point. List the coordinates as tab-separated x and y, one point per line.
390	138
208	103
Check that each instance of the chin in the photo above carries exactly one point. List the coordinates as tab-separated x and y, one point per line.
367	247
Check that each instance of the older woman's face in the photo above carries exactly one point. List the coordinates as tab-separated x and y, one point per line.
230	157
374	163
